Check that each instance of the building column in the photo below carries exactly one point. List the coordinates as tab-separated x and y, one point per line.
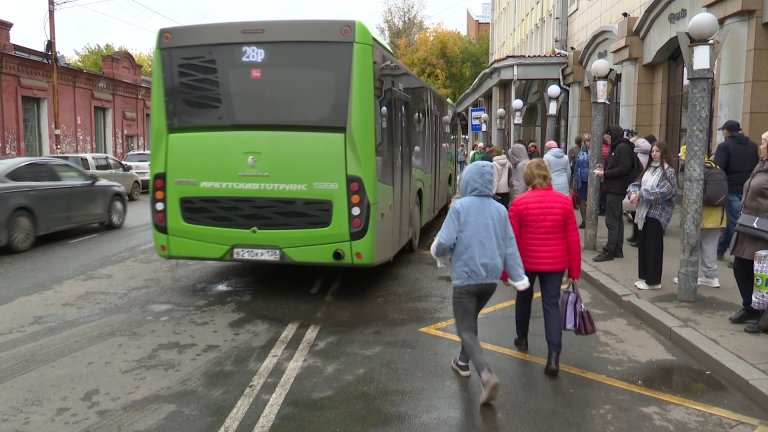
732	72
493	121
574	114
628	95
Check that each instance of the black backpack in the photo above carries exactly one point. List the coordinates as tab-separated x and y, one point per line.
715	185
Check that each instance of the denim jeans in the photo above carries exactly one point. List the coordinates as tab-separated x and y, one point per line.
732	211
468	301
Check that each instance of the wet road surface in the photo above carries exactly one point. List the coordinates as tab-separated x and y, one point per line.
131	342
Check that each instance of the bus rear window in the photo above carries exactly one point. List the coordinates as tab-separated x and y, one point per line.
258	84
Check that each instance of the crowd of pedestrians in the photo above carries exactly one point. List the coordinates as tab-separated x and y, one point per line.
524	227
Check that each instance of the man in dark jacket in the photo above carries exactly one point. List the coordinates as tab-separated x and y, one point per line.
617	175
737	156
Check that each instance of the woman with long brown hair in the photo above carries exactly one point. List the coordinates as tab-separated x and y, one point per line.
655	200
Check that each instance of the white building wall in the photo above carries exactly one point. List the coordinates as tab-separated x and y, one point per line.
523	27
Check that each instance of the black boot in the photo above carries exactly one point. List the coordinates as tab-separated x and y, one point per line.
618	253
521	343
553	364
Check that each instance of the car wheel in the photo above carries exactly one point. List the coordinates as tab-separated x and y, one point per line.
21	231
116	216
135	192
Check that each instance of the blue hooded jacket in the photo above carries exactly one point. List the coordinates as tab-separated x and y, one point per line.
477	235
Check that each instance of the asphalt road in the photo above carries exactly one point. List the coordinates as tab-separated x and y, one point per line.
99	334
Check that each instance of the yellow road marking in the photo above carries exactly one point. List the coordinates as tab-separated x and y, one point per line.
434	330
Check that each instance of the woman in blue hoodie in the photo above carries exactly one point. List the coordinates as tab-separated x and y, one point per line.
478	239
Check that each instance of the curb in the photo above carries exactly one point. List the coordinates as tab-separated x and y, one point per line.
752	381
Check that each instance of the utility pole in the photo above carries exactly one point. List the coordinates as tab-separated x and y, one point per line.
54	78
699	54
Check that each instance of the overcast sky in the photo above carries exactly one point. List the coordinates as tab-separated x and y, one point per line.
134	23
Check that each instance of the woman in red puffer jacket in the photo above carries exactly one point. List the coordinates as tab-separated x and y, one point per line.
548	239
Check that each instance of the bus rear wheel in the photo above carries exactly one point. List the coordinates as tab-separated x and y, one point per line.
415	226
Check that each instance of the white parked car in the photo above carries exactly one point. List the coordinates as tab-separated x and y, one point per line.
139	162
107	167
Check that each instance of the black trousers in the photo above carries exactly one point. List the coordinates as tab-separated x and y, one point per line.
614	223
744	273
650	254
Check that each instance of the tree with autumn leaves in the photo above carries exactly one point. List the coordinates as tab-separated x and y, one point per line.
446	59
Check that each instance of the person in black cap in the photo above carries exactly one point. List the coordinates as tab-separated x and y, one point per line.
737	156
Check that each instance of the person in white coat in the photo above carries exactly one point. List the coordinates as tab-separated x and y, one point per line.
558	166
501	175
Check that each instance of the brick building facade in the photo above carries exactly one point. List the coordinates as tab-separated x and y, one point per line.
98	112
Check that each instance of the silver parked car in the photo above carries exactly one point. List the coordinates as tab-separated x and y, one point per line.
107	167
138	160
40	195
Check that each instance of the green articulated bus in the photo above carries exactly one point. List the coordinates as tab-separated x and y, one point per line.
293	142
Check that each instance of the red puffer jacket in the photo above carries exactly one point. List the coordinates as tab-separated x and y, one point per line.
546	231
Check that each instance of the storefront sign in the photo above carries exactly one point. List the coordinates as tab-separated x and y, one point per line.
677	16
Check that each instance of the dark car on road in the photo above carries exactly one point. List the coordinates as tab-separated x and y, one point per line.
40	195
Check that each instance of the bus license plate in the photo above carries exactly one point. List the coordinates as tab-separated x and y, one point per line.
256	254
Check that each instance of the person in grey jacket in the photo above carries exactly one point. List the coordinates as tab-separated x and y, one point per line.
478	239
558	167
518	157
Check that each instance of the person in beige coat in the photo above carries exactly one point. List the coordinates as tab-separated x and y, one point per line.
755	203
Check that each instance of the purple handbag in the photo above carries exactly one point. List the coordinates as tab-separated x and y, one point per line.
570	307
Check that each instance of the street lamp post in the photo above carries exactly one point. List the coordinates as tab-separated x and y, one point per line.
517	130
501	114
600	70
553	92
699	61
484	135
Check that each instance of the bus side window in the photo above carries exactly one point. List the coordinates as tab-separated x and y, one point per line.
383	141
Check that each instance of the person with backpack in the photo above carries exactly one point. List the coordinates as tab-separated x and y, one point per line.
712	222
737	156
617	175
655	202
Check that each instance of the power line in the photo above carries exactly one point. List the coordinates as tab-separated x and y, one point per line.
158	13
120	20
447	9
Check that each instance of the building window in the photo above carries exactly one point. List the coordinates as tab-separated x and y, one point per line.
32	132
573	6
147	132
100	129
130	142
612	110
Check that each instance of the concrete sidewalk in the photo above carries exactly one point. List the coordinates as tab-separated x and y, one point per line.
701	327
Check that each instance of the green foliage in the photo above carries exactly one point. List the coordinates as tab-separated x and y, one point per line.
89	57
446	59
402	21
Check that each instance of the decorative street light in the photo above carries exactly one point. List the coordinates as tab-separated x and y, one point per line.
553	92
484	121
699	61
600	71
517	130
501	114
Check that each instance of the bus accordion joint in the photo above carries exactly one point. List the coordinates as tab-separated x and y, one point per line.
359	208
159	203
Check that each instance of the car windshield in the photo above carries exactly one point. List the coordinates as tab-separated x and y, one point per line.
137	157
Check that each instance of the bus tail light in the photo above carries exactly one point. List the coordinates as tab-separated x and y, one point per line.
359	208
159	203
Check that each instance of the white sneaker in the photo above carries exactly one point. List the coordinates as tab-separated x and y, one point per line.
639	283
674	279
710	282
645	286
